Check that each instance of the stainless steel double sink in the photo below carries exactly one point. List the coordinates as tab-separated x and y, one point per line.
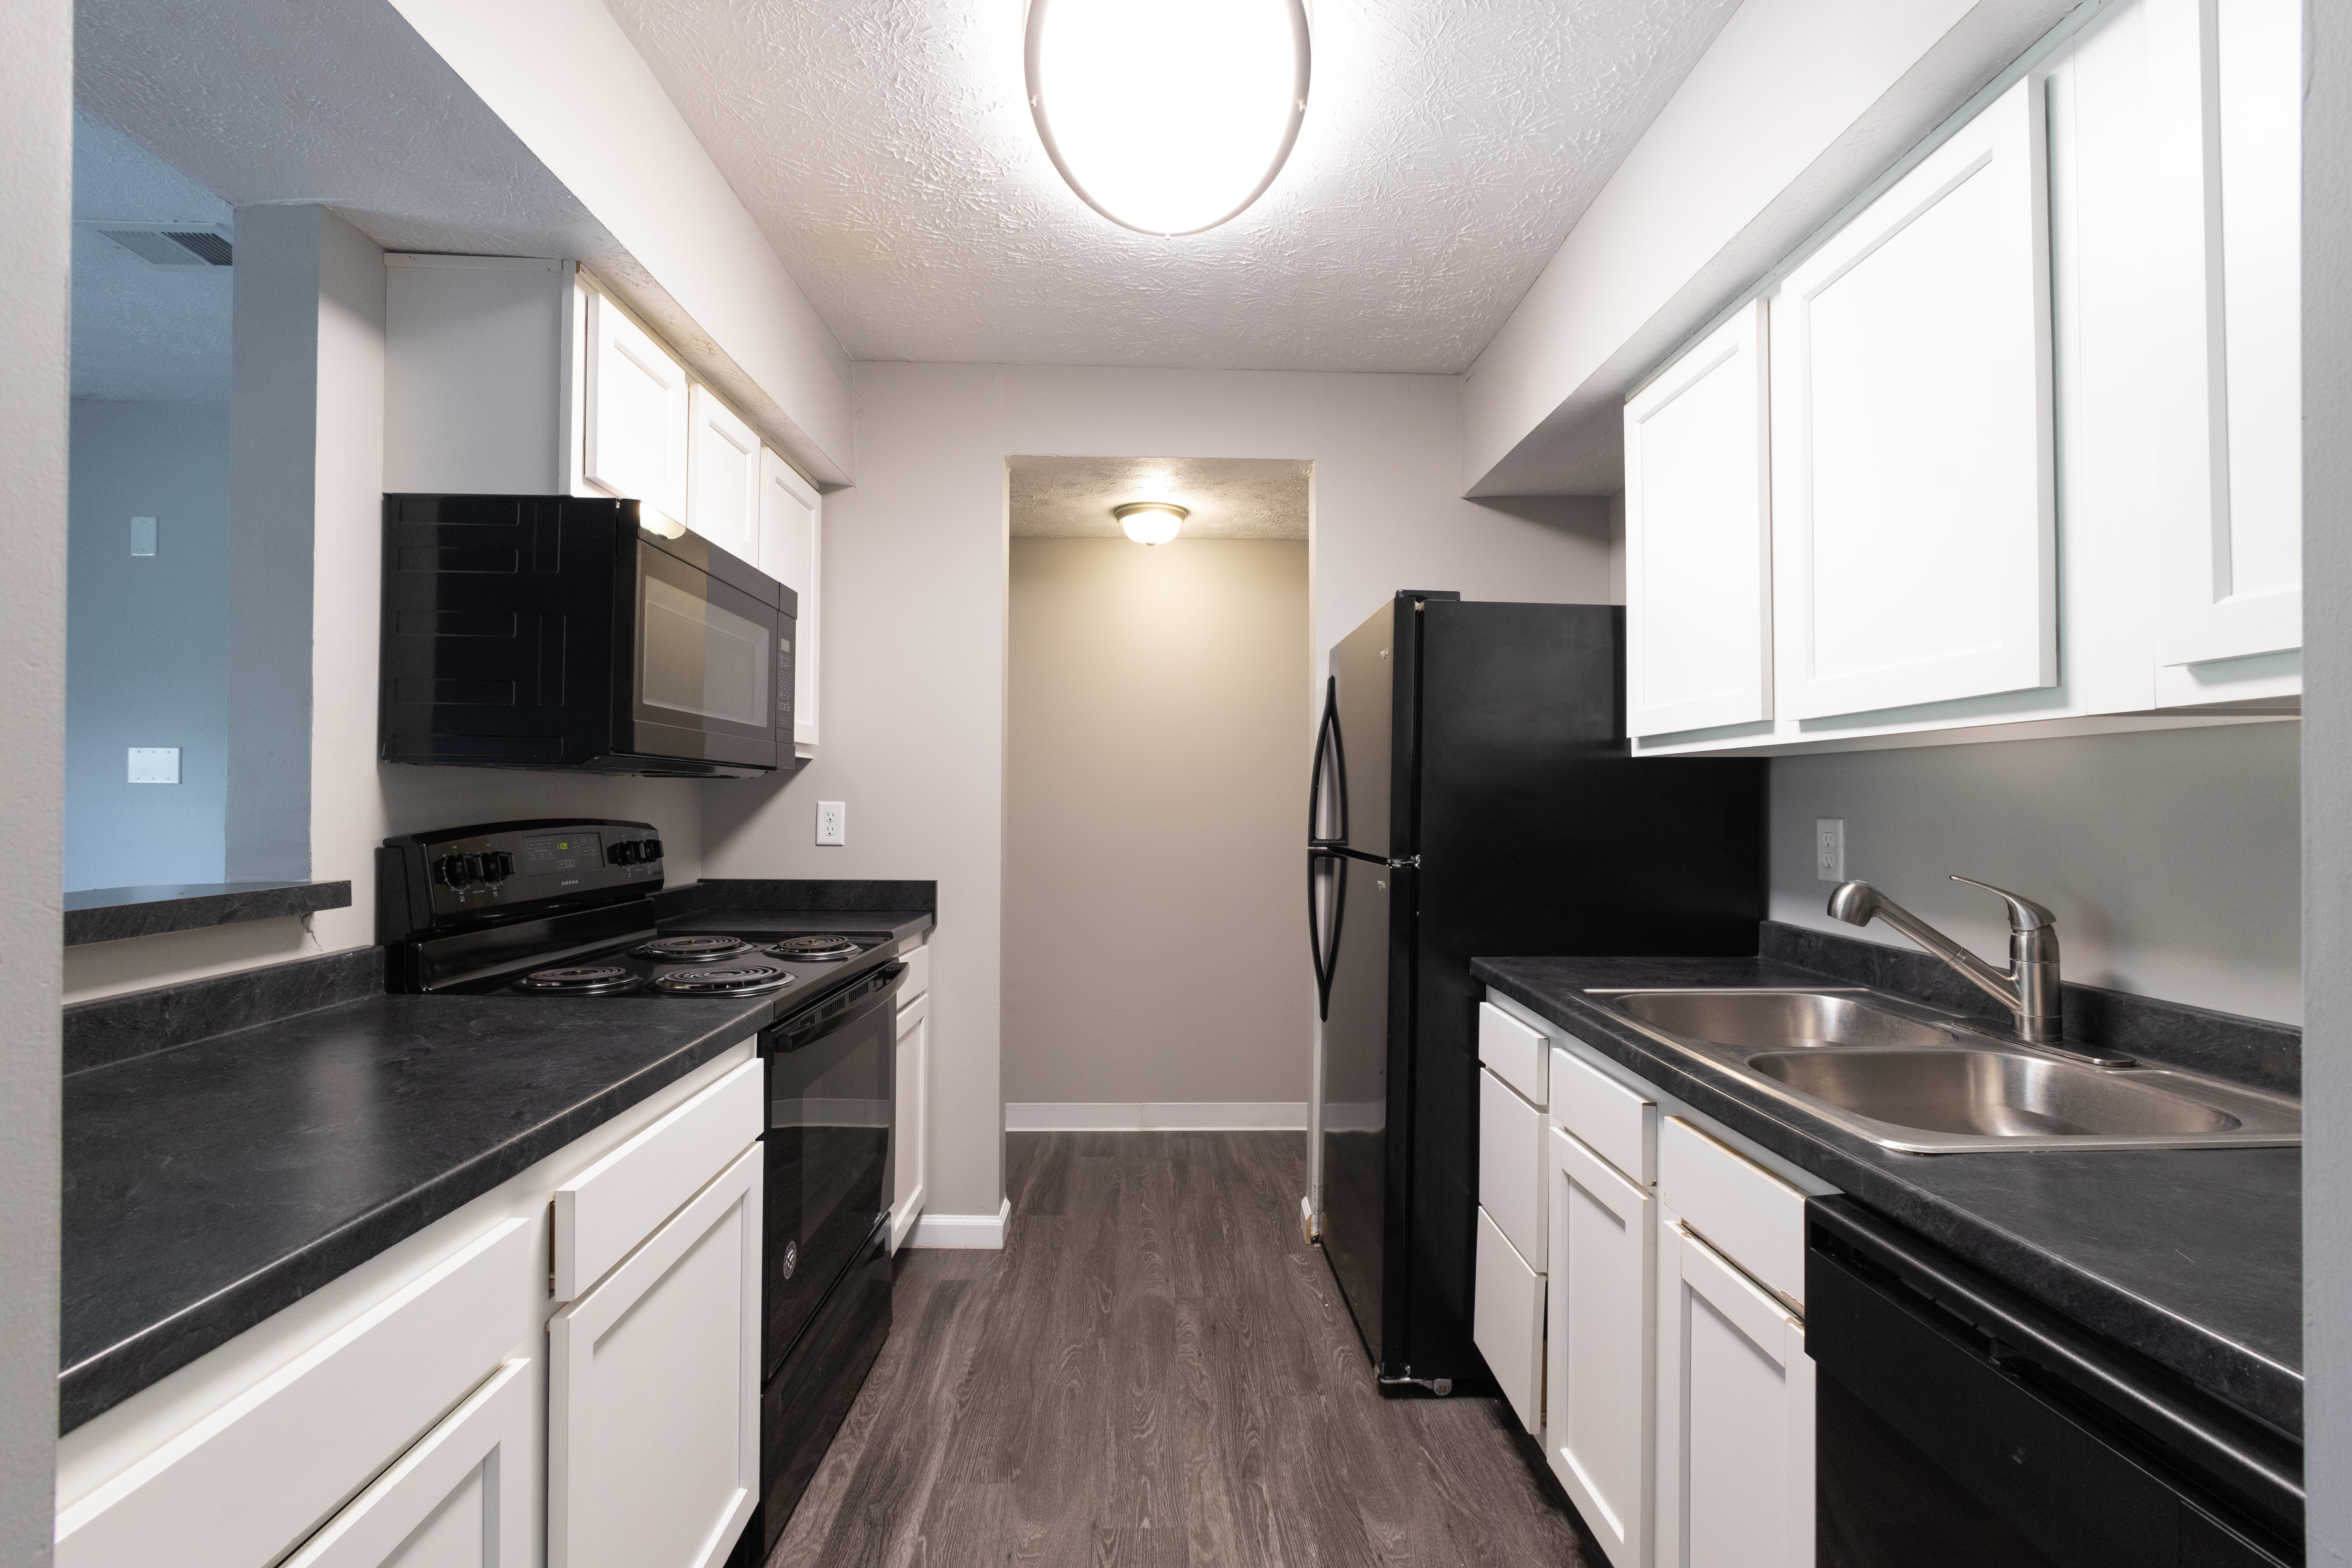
1911	1078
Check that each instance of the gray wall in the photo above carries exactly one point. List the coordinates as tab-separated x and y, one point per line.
146	645
36	191
2170	857
1157	739
2327	782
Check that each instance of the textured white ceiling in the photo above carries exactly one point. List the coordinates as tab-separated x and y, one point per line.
142	332
1228	498
886	149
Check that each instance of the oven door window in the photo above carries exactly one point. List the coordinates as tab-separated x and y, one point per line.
707	653
828	1161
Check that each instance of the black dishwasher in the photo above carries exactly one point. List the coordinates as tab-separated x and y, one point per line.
1957	1424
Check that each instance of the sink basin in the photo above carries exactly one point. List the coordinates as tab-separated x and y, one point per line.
1778	1018
1991	1094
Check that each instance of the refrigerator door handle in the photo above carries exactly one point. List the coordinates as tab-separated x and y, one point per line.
1327	749
1327	955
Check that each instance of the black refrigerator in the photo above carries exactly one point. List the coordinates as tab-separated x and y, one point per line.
1474	796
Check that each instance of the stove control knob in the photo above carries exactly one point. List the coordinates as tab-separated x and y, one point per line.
497	866
622	852
651	848
453	870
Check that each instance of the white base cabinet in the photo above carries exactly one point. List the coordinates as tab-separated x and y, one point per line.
1506	1322
1597	1426
399	1415
1735	1411
652	1417
910	1129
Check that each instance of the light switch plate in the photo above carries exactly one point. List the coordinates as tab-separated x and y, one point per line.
154	765
1829	848
832	822
143	536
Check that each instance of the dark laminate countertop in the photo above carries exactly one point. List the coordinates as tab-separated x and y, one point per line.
210	1184
2193	1257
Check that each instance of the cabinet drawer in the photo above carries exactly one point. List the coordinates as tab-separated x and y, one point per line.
1515	1053
1613	1120
1506	1322
1742	1210
917	980
252	1480
1510	1166
602	1213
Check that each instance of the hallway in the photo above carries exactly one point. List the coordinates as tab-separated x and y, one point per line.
1156	1371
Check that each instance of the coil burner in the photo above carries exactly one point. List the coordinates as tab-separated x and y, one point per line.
692	948
580	980
826	949
735	980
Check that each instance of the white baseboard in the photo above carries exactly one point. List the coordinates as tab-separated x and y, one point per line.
903	1218
963	1230
1175	1116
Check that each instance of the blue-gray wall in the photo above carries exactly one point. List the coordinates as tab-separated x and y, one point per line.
146	641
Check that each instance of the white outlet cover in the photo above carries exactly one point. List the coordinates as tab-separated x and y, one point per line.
1829	848
832	822
154	765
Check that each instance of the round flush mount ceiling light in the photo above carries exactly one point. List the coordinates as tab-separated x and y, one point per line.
1168	116
1151	521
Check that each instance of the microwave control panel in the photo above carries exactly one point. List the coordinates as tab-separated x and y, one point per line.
435	881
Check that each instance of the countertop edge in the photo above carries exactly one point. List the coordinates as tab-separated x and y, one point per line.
2227	1370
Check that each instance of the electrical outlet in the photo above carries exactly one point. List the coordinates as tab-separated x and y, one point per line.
154	765
832	822
143	536
1829	848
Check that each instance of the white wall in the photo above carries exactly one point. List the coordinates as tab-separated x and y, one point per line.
1796	106
2170	856
355	801
566	80
915	630
2327	784
147	642
36	193
1159	730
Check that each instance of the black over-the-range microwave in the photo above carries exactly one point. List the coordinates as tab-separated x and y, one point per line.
571	632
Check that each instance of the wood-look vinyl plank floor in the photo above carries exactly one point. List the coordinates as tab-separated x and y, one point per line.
1157	1373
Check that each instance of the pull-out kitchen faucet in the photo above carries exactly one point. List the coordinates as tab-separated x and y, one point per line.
2028	988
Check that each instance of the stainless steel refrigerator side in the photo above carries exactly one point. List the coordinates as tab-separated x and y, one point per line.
1354	1110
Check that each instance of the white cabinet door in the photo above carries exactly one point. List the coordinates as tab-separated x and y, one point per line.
1913	525
722	477
1599	1343
652	1421
1510	1165
635	413
2233	574
462	1498
1507	1322
910	1125
1699	538
1735	1415
791	541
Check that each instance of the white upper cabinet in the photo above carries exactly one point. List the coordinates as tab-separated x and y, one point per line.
723	467
2233	567
1699	538
791	550
635	413
1914	516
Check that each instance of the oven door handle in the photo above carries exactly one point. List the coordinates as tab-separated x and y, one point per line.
864	997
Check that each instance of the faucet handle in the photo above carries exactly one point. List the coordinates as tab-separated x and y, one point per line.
2024	914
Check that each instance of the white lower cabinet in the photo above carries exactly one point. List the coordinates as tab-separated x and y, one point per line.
1596	1428
1506	1322
460	1499
401	1414
1735	1412
652	1422
909	1130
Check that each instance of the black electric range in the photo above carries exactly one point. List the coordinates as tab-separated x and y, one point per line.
564	909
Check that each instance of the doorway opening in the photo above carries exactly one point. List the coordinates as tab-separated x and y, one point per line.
1159	727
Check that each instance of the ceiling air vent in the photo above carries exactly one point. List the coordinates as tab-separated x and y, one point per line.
174	247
